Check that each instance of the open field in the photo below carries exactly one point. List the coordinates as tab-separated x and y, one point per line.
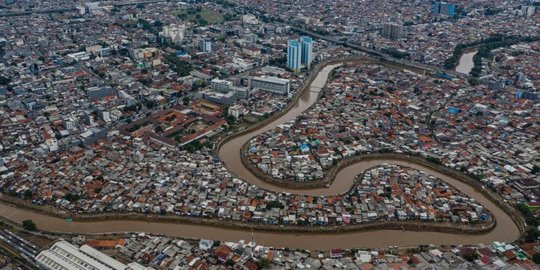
202	16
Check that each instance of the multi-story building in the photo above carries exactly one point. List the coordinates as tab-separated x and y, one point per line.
271	84
250	19
443	8
307	51
65	256
294	54
300	53
174	32
392	31
251	38
528	10
220	85
99	93
205	45
227	98
224	92
92	135
240	92
237	111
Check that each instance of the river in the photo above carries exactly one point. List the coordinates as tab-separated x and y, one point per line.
466	62
506	229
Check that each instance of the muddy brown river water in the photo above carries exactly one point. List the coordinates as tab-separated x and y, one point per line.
506	229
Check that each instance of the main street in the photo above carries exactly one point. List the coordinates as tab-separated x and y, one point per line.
380	54
303	29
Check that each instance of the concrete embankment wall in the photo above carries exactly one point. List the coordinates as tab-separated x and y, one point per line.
388	157
250	226
332	172
303	88
394	225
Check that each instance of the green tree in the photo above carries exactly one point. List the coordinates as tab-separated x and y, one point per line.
4	80
470	255
183	68
72	197
265	263
230	119
524	209
150	103
532	221
274	204
434	160
193	147
29	225
473	81
531	235
27	194
536	258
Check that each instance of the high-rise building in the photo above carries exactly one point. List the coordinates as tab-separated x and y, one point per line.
300	54
176	33
80	9
528	10
447	9
251	38
392	31
307	51
435	8
294	54
205	45
443	8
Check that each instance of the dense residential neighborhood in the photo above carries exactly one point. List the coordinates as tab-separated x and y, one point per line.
285	120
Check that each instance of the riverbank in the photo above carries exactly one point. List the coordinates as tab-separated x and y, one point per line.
310	239
234	144
305	87
380	234
247	226
393	158
484	46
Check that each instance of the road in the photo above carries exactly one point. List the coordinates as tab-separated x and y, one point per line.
57	10
351	45
384	56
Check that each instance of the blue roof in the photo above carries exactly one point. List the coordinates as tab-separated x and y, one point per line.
453	110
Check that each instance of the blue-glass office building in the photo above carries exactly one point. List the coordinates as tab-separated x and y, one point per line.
307	51
443	8
294	54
